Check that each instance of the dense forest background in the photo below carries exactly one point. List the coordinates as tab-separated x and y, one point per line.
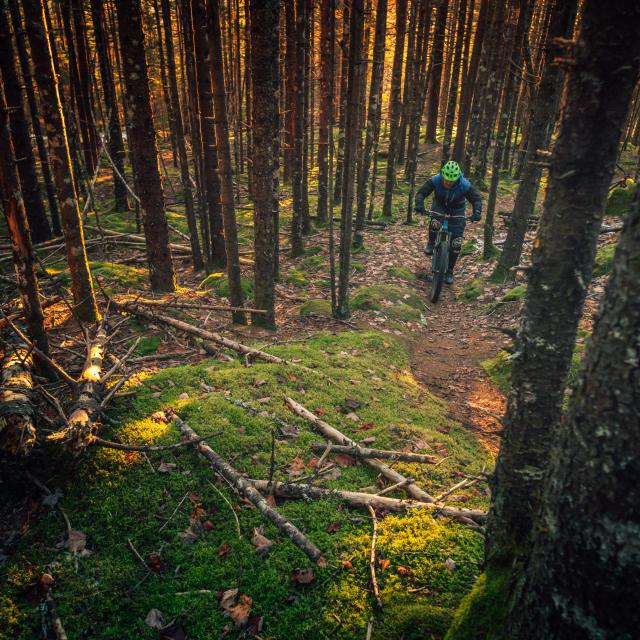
186	179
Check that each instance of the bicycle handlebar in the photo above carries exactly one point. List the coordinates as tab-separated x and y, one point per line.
446	215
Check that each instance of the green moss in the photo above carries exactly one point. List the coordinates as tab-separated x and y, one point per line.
471	290
494	252
404	273
313	263
499	370
396	302
517	293
147	345
112	496
619	201
483	611
10	618
109	273
604	259
316	307
219	283
297	278
469	247
312	251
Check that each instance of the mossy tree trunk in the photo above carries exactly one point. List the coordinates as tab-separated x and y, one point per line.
47	79
224	162
582	578
352	131
594	108
143	145
265	125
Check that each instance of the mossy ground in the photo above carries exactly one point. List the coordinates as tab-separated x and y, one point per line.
113	497
604	259
471	290
397	302
403	273
219	283
619	201
316	307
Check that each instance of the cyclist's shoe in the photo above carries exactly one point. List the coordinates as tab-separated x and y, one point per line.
448	278
428	250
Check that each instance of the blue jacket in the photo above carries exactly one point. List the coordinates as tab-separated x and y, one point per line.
451	201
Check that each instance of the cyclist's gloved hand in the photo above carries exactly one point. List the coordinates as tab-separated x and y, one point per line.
476	216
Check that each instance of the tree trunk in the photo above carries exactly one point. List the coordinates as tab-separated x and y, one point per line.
18	226
541	125
116	146
177	127
469	83
582	577
290	86
143	146
437	54
326	96
522	27
34	206
594	108
224	162
81	284
265	126
344	72
306	44
395	105
409	88
453	87
352	131
373	118
217	257
29	85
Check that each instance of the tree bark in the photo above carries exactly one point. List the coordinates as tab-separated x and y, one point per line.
81	284
177	127
224	162
265	80
437	54
408	88
352	132
373	118
395	105
344	73
18	226
540	128
116	145
34	206
143	146
582	579
594	108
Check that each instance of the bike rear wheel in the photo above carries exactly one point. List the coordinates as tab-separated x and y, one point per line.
439	268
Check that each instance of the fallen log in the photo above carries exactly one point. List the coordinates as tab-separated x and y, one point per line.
205	306
246	489
366	500
17	411
209	336
336	436
19	314
365	452
90	389
372	559
134	236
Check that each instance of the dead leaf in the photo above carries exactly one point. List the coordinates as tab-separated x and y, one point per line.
173	631
154	619
239	613
270	500
351	404
167	467
207	525
224	550
365	426
228	598
188	536
244	502
384	564
254	626
344	460
154	562
403	571
76	541
261	542
159	416
259	383
450	564
302	576
352	416
183	396
332	474
296	466
368	440
264	400
346	564
334	526
194	498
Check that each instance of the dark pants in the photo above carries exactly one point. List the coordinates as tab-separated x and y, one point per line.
456	243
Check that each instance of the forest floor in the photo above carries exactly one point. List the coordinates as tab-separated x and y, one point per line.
159	537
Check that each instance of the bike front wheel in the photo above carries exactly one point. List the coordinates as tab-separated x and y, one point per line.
439	268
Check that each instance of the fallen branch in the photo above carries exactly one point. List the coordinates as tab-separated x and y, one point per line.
134	236
108	444
56	623
246	489
17	411
364	500
372	559
365	452
19	314
176	304
336	436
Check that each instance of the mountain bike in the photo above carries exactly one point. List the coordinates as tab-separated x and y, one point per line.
441	248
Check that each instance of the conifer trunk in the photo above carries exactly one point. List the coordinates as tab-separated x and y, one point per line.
143	146
437	55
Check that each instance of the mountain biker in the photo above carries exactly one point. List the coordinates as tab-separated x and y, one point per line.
450	191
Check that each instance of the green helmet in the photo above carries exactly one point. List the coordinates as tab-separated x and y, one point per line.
451	171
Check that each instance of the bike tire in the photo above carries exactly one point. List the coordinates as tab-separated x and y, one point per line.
439	267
